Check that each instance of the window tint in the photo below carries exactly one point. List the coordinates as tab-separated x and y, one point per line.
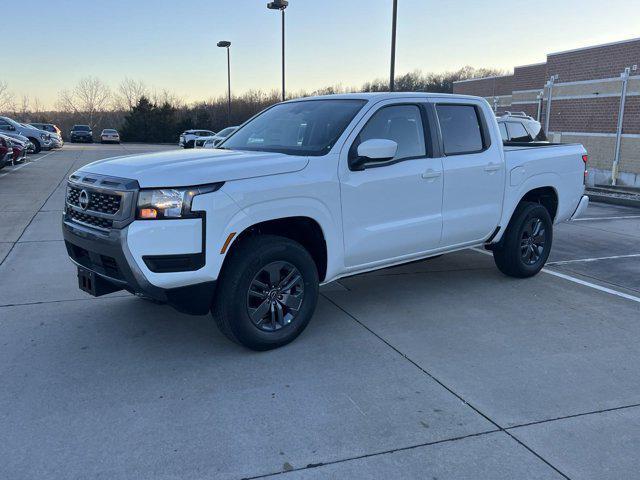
503	132
460	128
400	123
518	133
306	127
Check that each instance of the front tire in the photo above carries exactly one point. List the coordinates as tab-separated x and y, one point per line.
527	242
267	292
36	145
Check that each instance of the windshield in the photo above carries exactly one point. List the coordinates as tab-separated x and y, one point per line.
109	130
81	128
308	127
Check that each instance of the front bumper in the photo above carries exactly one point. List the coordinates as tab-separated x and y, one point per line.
81	138
108	257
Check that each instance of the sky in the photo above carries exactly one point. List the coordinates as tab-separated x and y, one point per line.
171	44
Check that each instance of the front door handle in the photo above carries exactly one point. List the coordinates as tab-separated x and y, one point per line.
431	175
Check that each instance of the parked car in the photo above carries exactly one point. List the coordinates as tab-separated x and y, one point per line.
20	140
219	137
109	135
48	127
20	149
81	133
6	151
188	137
56	133
312	190
40	139
520	128
200	142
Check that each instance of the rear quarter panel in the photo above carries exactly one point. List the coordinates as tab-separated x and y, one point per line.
558	166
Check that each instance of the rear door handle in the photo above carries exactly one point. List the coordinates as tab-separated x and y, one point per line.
492	167
431	175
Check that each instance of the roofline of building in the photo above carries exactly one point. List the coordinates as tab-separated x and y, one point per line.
531	65
595	46
483	78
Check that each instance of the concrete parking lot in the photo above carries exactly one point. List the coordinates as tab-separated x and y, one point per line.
439	369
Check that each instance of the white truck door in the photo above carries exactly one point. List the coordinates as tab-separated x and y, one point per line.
391	209
474	173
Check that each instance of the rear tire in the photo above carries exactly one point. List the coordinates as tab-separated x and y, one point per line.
527	242
252	305
36	145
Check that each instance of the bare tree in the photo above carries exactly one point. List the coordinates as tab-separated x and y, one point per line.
129	92
90	97
23	109
6	98
165	96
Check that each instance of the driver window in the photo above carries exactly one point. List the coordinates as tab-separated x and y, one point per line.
400	123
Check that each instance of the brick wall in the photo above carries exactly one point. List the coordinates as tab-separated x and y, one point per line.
597	62
485	87
529	77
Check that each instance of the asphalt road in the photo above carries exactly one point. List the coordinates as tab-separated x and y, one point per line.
440	369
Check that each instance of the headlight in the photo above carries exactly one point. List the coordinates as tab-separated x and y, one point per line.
170	203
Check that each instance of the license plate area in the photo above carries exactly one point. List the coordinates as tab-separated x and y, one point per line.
94	284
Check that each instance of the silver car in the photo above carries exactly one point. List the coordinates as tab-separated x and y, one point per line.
40	139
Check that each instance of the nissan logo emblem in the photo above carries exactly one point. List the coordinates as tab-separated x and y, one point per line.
83	199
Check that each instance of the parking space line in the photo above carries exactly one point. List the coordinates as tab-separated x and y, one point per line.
589	219
569	278
27	162
595	259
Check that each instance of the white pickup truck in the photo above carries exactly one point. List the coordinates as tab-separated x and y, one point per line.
312	190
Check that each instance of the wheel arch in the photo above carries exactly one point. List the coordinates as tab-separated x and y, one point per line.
302	229
541	189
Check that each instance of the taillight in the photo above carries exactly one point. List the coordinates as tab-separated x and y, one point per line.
585	159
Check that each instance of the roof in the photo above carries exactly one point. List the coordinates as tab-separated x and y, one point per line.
378	96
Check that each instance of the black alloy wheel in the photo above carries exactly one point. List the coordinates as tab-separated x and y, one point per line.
275	296
532	241
526	244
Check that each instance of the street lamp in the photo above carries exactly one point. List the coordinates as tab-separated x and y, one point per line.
226	44
280	5
393	47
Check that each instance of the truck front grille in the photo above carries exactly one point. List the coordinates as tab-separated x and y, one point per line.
98	201
90	220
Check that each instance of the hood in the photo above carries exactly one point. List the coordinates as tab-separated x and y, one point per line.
182	168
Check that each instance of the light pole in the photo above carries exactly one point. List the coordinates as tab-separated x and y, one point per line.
280	5
392	75
226	44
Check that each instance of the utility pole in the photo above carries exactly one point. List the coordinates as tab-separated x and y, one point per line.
280	5
392	76
227	45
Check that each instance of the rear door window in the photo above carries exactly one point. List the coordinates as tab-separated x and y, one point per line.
461	129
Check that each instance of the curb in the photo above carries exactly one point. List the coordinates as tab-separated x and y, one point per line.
624	201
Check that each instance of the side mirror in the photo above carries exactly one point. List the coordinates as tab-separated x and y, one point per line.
374	150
